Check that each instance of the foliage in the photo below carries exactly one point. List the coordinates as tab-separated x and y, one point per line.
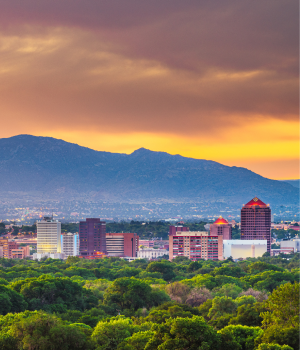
282	306
183	333
109	334
46	332
239	337
54	294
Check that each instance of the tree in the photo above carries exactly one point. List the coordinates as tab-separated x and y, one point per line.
54	294
239	337
265	346
11	301
165	267
173	311
109	334
221	306
281	335
46	332
282	306
131	293
228	289
183	333
198	296
178	291
137	341
248	315
281	320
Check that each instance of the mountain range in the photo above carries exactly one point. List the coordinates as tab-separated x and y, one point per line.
52	168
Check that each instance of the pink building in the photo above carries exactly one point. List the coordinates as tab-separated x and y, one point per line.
174	229
20	253
221	227
146	243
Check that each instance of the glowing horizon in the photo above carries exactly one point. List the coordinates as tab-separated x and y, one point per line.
189	79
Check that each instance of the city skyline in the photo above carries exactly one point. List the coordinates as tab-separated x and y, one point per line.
216	81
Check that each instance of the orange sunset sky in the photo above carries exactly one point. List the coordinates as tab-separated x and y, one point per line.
213	80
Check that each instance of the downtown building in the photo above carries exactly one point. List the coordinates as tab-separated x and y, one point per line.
48	239
122	244
70	244
221	227
92	237
195	245
256	222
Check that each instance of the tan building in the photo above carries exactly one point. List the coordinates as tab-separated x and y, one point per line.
196	245
8	247
20	253
122	244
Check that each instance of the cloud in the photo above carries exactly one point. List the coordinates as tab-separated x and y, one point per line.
170	69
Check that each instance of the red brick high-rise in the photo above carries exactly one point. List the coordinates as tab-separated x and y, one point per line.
92	237
256	221
221	227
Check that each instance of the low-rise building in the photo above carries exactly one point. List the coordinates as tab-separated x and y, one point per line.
8	246
146	243
39	256
293	243
20	253
122	244
242	249
150	253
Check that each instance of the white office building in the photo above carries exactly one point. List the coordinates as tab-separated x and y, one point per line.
150	253
240	248
48	236
294	243
70	244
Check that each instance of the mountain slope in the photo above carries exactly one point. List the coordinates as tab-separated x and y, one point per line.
54	167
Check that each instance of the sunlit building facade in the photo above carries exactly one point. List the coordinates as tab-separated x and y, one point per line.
122	244
48	236
196	245
221	227
256	222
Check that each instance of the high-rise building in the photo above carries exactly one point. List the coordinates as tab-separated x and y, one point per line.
122	244
48	236
92	237
70	244
196	245
221	227
256	222
173	229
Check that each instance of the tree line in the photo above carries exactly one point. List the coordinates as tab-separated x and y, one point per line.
111	303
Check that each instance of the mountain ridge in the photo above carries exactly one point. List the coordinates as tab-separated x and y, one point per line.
45	165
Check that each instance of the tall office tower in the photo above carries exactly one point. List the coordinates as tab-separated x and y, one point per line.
256	221
122	244
221	227
48	236
92	237
70	244
196	245
174	229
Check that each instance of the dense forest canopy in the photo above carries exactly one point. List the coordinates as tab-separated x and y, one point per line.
115	304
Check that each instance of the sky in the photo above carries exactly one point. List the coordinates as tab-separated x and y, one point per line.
214	80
